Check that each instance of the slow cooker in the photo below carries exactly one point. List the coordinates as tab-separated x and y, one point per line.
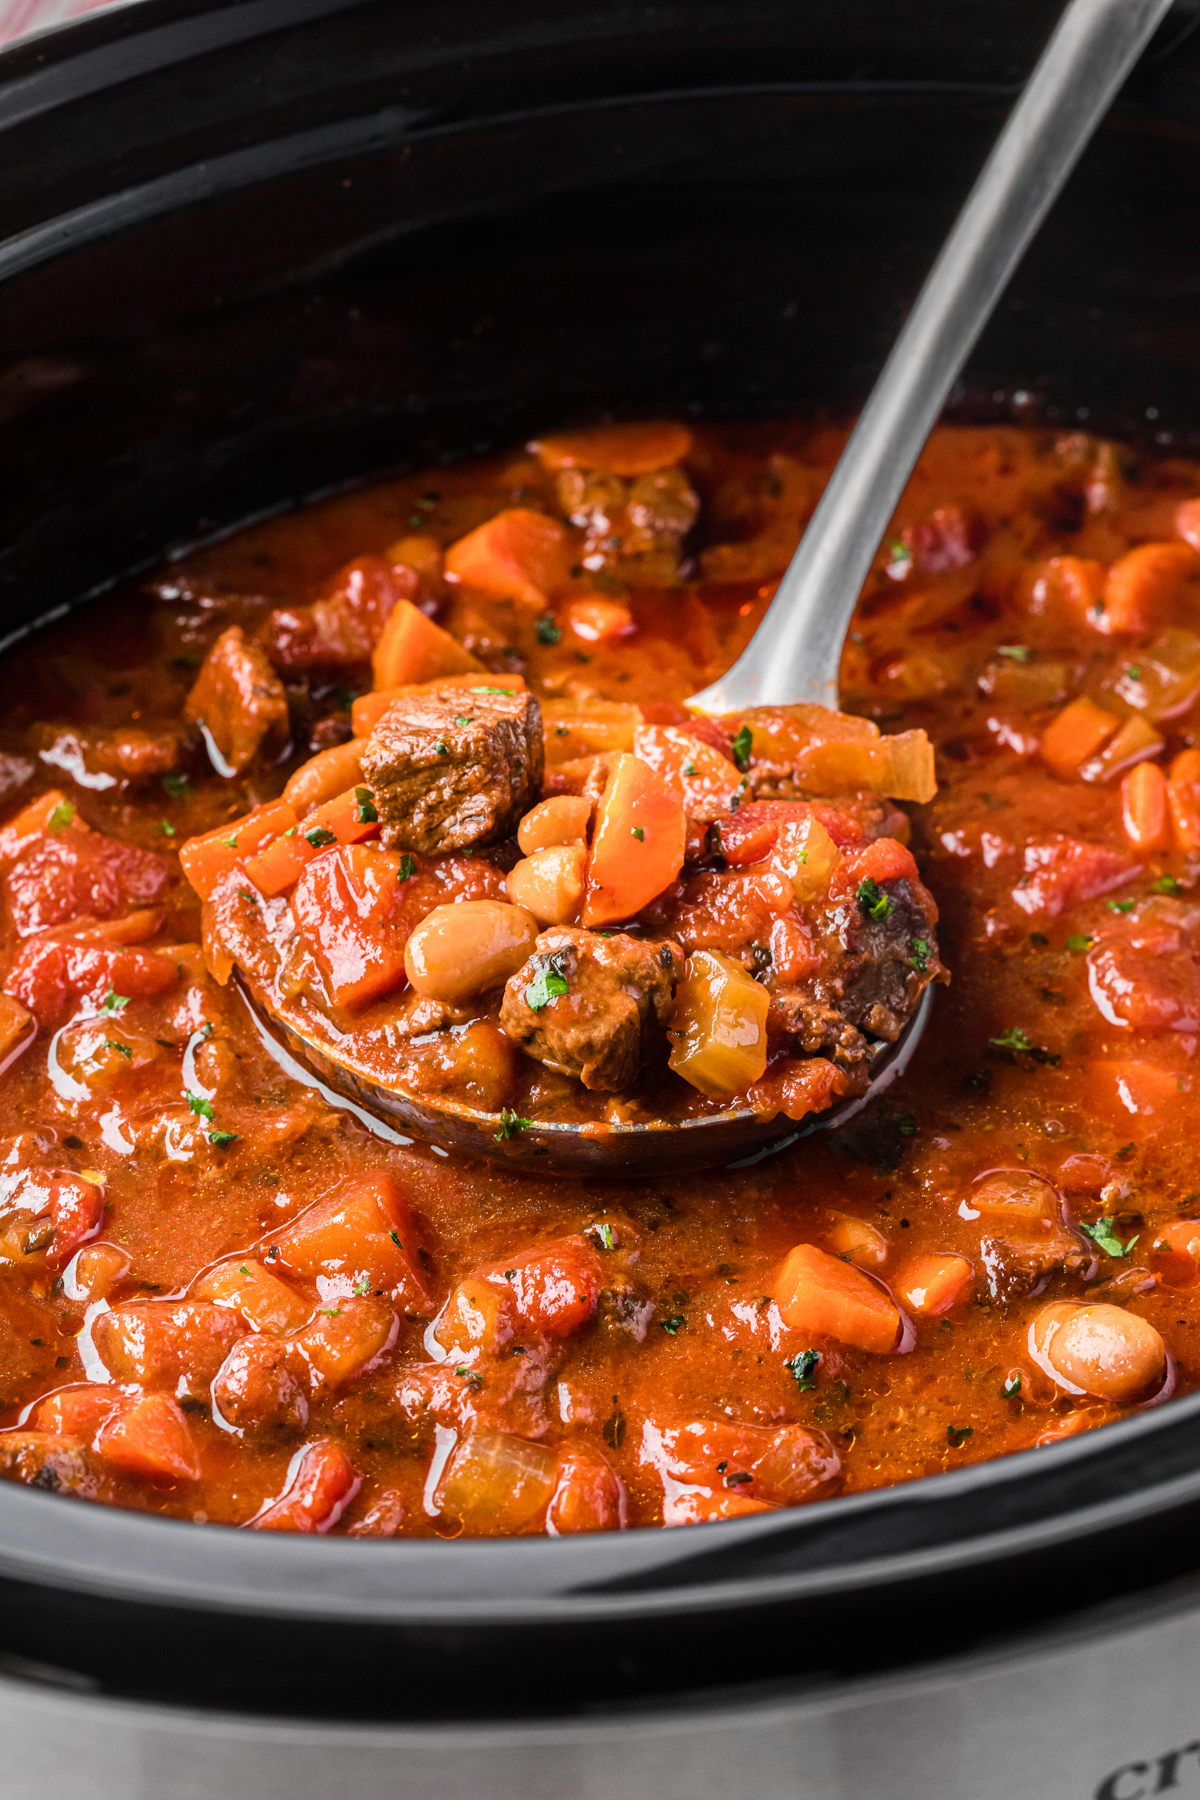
254	250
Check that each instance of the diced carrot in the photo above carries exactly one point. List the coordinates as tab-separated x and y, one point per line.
1136	741
208	859
361	1233
637	845
857	1241
418	551
150	1438
368	709
599	621
350	819
821	1294
706	780
477	1316
1145	586
321	1482
1144	806
1077	733
934	1283
1177	1254
1183	799
578	728
1187	522
1068	588
343	1338
15	1022
554	1288
413	649
623	449
519	555
38	816
1119	1090
265	1302
76	1411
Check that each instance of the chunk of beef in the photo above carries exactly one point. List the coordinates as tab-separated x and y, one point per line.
238	702
455	768
343	627
615	986
813	1029
1016	1267
98	758
887	956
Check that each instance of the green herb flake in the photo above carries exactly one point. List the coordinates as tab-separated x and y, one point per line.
548	984
442	747
221	1138
319	838
330	1312
291	831
62	815
166	828
113	1003
511	1123
364	802
468	1374
363	1287
1012	1386
508	692
1079	941
872	899
741	747
1166	884
674	1325
407	869
396	1239
546	631
1012	1039
1134	672
199	1104
1103	1236
1120	906
605	1236
689	769
121	1049
1018	653
906	1125
1039	938
177	786
957	1435
803	1366
920	955
231	842
638	833
464	718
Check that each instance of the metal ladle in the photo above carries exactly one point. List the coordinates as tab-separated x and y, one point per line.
796	650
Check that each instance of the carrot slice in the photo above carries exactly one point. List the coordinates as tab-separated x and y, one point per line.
413	649
819	1293
1183	799
151	1439
1144	806
622	449
519	555
207	859
932	1284
637	846
350	819
1077	733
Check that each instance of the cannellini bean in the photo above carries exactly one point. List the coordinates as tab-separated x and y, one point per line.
549	884
561	820
462	950
1098	1349
325	776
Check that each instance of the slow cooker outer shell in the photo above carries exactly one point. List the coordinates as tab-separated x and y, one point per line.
254	251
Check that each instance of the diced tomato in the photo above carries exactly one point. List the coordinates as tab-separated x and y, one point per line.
819	1293
712	1470
34	819
364	1232
77	1209
1148	978
349	819
206	860
637	844
588	1495
350	907
1130	1087
150	1438
749	835
66	875
1061	872
50	973
798	1086
882	860
554	1287
320	1485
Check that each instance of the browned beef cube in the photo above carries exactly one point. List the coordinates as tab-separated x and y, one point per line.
614	988
1017	1268
454	768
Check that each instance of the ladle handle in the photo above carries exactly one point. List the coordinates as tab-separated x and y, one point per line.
795	652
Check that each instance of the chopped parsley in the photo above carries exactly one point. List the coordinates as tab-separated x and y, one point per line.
364	801
62	815
638	833
900	558
471	1375
319	838
1120	906
464	718
221	1138
509	692
1166	884
121	1049
1012	1386
1134	672
330	1312
1019	653
442	747
363	1287
166	828
804	1368
1079	941
407	869
605	1236
113	1003
230	843
906	1125
1102	1235
511	1123
957	1435
1012	1039
741	748
689	769
548	984
920	955
546	631
199	1104
177	786
674	1324
872	899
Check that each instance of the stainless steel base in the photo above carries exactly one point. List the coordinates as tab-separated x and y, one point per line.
1107	1712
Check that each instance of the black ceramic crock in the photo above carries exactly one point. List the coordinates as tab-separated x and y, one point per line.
256	250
